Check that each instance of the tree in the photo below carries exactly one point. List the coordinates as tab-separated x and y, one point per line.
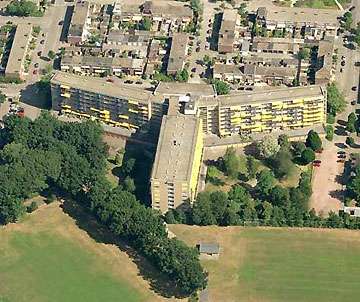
128	166
231	162
313	140
335	100
196	6
278	196
21	8
282	164
252	166
2	98
212	173
347	18
145	23
51	54
350	141
48	68
329	132
298	148
129	184
357	35
350	125
268	146
284	142
307	156
32	207
221	87
265	181
304	53
202	212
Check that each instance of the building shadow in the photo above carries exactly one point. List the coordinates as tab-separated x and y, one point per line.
159	283
338	194
35	97
340	130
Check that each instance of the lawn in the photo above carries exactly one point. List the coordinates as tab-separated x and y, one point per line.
47	257
280	264
330	4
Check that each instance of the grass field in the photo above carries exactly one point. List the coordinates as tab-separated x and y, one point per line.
280	265
48	258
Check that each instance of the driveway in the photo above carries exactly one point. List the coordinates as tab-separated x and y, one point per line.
327	190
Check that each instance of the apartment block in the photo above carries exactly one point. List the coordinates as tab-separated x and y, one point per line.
113	103
309	23
244	112
15	66
271	110
228	33
79	24
177	163
85	65
178	53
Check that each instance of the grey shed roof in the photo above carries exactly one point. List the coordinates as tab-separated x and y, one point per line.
209	248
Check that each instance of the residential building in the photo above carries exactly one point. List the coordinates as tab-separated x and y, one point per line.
310	23
131	38
352	211
98	65
269	110
79	24
324	61
177	162
243	112
276	45
113	103
175	12
178	53
15	66
228	33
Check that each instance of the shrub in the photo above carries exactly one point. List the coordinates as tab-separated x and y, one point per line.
330	119
32	207
329	132
307	156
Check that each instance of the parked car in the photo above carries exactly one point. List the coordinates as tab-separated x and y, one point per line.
341	70
193	70
342	57
9	22
39	53
36	65
198	43
341	152
315	164
342	156
354	88
197	49
35	71
138	82
341	161
61	22
42	41
110	80
351	8
319	151
353	102
343	63
128	81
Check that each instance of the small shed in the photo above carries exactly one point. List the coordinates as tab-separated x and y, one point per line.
209	251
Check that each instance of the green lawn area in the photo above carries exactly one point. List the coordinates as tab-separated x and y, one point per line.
47	258
280	264
319	3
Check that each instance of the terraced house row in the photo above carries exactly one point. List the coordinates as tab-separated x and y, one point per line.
246	112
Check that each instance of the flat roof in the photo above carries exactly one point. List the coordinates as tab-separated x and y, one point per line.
17	52
172	88
100	86
176	147
177	55
102	61
271	95
302	14
78	18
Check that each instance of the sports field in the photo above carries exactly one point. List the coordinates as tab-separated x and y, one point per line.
47	257
280	265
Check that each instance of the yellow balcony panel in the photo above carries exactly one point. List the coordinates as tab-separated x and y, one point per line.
123	116
133	102
67	111
124	124
133	126
94	109
64	86
133	111
143	108
65	95
66	106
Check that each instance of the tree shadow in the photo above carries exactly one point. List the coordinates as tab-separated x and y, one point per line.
216	181
116	171
341	145
159	283
338	194
341	123
339	130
